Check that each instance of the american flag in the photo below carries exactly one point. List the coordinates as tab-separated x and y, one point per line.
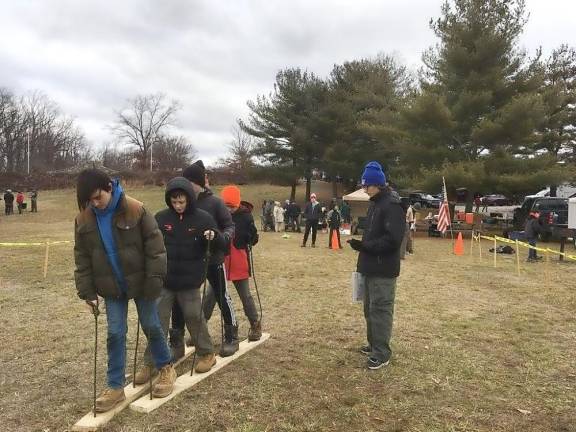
444	213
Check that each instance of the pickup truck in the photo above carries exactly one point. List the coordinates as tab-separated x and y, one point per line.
553	215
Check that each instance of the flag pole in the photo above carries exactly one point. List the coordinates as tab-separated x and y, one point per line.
449	215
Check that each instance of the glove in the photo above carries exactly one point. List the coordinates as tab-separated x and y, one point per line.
356	244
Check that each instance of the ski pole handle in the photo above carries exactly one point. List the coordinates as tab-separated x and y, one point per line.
93	308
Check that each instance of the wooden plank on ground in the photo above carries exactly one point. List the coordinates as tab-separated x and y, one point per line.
185	381
91	423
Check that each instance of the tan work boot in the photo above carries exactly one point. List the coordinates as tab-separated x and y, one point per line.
205	363
109	398
165	383
144	374
255	332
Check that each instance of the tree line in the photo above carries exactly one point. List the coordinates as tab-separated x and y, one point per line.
481	112
36	136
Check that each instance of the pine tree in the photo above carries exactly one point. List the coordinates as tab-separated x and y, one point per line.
290	125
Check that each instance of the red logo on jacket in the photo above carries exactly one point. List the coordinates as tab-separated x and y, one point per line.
168	227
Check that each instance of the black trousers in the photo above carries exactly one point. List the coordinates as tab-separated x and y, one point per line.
217	279
310	225
330	237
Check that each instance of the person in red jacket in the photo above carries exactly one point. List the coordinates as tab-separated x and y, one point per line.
20	202
237	262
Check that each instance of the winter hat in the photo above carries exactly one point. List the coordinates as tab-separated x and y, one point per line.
231	196
373	175
196	173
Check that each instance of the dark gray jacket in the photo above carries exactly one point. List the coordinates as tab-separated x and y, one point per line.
212	204
385	226
532	229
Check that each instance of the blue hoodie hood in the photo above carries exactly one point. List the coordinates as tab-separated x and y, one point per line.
104	218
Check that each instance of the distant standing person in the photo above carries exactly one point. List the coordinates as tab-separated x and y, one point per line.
407	244
379	263
20	202
531	230
278	217
345	212
334	222
8	202
312	213
34	201
477	203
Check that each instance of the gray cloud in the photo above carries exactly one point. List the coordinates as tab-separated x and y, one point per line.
90	56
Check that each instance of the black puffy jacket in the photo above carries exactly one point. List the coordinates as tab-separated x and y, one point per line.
184	239
385	225
246	233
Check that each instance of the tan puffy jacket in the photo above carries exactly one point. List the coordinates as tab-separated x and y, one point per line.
140	250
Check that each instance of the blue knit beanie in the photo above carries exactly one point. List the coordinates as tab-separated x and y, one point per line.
373	175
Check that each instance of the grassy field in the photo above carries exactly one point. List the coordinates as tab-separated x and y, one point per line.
476	348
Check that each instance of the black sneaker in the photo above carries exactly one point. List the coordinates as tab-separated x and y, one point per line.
374	363
366	349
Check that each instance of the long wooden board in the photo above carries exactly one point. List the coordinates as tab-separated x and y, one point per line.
91	423
185	381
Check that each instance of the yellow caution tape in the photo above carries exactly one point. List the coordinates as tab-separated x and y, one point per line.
36	243
526	245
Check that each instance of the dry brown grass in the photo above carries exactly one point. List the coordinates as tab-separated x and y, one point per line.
472	344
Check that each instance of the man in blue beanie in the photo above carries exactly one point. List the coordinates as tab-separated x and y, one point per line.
379	263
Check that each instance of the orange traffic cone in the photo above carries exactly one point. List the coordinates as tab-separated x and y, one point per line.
334	241
459	245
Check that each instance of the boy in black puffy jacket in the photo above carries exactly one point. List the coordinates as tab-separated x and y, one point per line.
186	230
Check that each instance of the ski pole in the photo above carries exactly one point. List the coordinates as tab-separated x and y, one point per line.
201	315
254	278
95	312
136	353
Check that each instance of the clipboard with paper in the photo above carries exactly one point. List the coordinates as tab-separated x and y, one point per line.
358	287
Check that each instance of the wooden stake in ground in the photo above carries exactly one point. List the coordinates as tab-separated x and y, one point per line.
185	381
46	259
495	247
517	257
480	246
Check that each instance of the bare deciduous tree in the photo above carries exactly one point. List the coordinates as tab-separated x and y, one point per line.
173	152
144	122
240	151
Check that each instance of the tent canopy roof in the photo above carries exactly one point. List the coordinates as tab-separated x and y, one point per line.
359	195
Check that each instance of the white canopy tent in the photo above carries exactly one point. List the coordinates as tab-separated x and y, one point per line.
358	202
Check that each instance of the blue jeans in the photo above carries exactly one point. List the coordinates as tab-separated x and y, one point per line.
116	314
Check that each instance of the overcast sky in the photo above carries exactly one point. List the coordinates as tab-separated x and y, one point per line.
90	56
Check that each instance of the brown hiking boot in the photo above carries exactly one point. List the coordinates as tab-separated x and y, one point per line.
165	383
205	363
109	398
144	374
255	332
